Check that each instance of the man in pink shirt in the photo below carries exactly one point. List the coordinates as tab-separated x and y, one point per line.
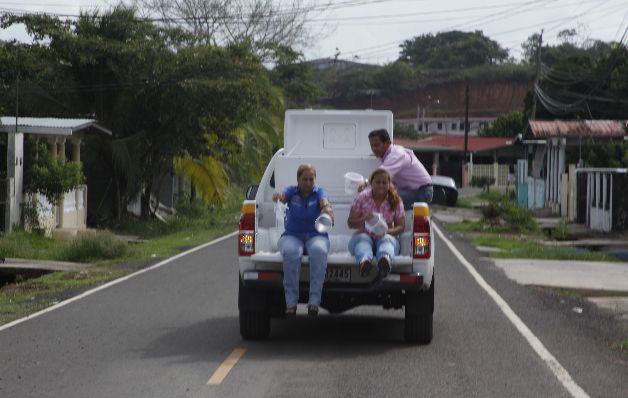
410	177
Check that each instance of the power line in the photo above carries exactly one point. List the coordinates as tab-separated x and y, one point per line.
386	47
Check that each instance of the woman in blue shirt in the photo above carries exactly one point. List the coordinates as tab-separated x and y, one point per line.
306	201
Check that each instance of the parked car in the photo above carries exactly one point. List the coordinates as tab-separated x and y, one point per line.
445	191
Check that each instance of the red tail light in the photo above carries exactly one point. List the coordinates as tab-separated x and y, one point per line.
421	241
246	238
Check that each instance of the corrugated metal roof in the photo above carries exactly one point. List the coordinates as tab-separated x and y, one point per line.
47	125
578	128
456	143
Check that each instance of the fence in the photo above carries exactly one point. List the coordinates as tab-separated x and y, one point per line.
497	171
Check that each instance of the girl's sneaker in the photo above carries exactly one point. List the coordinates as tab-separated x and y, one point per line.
365	267
384	266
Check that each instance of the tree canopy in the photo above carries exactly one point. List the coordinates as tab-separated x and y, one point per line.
162	94
454	49
505	125
579	79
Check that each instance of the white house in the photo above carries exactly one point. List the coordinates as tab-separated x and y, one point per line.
71	215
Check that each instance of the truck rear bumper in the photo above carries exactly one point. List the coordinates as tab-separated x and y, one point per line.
269	280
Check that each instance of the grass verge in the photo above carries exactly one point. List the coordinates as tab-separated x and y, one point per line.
621	345
110	257
518	246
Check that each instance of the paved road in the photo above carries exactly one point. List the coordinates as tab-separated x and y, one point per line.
165	332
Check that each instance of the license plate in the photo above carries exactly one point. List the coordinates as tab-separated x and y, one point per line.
338	274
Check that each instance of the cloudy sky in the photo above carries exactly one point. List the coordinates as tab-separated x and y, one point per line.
372	30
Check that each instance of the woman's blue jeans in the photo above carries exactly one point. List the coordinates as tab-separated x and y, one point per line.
361	247
291	249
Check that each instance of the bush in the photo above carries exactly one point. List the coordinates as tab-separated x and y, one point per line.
519	219
560	231
483	182
505	214
99	246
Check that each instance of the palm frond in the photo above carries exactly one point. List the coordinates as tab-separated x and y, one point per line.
207	175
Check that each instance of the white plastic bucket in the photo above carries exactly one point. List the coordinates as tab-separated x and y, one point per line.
353	182
323	223
376	225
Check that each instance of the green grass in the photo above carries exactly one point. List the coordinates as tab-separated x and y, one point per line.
521	247
570	293
22	298
465	226
621	345
466	202
112	257
21	244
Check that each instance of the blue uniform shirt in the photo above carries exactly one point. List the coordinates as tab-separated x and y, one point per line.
302	212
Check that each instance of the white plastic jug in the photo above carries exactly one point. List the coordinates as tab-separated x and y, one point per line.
376	225
353	182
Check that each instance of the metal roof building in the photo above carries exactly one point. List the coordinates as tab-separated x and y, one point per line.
578	128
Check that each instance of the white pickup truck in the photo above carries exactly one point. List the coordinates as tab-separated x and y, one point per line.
335	142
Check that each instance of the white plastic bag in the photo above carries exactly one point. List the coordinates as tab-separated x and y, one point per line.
280	213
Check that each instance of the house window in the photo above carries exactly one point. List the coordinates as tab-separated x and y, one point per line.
454	125
420	127
461	126
440	125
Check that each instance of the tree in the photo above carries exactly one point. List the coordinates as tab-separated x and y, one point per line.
265	23
161	95
49	176
581	80
295	77
506	125
452	49
394	77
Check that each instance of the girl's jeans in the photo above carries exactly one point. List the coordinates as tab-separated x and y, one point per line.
291	249
361	247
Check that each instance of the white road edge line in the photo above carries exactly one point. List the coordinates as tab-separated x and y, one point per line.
559	371
115	282
225	367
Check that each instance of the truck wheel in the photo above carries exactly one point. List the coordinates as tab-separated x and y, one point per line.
254	325
419	310
254	315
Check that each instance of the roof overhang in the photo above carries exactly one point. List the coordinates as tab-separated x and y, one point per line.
49	126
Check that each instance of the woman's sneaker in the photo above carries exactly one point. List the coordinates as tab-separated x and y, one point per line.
384	266
291	310
312	310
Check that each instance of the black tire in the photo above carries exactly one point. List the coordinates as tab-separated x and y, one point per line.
418	328
254	325
419	313
254	315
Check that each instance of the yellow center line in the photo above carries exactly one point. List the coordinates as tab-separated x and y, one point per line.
224	368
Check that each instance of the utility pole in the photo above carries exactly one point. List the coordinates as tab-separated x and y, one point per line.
465	163
536	78
9	202
466	121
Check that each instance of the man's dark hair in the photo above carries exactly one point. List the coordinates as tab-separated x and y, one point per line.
381	133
